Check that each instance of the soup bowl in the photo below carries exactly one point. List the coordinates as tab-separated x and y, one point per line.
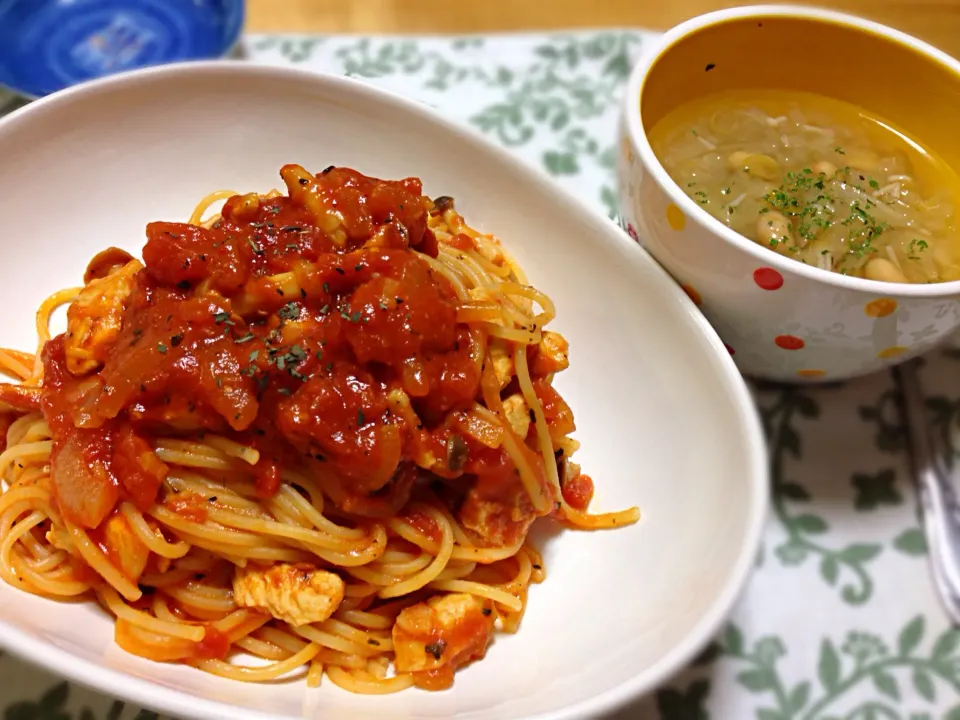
782	319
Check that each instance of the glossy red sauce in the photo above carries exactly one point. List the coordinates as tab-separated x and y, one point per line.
558	415
84	573
464	642
578	492
285	325
461	241
268	479
189	505
424	525
214	646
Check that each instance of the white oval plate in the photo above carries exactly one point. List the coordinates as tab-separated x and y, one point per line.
665	420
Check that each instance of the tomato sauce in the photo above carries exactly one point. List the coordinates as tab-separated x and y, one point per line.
188	505
285	325
578	492
214	646
454	646
424	525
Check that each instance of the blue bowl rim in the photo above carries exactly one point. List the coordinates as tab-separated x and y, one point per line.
235	14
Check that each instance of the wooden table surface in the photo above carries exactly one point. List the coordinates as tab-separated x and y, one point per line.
937	21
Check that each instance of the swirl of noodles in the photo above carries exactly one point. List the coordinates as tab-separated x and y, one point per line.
220	526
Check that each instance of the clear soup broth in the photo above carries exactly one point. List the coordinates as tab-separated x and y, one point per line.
818	180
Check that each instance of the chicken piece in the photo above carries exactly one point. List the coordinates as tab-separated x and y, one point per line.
94	318
433	638
551	355
501	353
498	509
298	594
518	414
123	547
498	521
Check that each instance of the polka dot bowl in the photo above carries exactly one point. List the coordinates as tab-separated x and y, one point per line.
779	318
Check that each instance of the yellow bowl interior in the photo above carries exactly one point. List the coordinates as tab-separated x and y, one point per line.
915	91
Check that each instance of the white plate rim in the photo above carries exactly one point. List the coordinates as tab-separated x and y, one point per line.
167	700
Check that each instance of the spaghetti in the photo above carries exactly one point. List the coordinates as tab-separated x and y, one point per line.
306	434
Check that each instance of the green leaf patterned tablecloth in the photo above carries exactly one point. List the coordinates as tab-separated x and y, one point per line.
840	621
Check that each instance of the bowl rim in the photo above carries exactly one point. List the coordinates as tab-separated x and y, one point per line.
178	703
234	17
632	121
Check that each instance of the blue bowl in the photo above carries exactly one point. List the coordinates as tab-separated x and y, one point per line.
47	45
